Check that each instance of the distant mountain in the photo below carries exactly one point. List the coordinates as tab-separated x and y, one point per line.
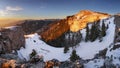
9	22
32	26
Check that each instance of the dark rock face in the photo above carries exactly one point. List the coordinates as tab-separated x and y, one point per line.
11	39
117	30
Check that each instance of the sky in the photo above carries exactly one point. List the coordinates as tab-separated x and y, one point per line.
49	9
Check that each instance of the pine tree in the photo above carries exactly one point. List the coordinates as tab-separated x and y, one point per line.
92	33
87	33
74	56
79	37
73	39
69	39
100	36
97	31
33	53
107	26
66	48
103	29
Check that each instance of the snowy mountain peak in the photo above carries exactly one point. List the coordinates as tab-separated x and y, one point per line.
80	19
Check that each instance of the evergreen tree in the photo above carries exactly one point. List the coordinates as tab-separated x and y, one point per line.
100	36
66	48
103	33
69	39
33	53
97	31
92	33
74	56
73	39
79	37
107	26
87	33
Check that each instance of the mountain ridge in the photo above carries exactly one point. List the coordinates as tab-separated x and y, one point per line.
73	23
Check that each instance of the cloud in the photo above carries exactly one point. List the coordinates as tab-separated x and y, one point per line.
9	10
3	13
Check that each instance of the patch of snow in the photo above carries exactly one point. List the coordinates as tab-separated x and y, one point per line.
11	27
96	63
30	35
42	48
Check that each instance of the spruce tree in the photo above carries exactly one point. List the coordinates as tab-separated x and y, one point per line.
66	48
33	53
100	36
103	29
87	33
107	26
92	33
73	39
97	31
74	56
79	37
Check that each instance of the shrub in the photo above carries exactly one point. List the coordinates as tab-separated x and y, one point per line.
33	53
66	48
74	56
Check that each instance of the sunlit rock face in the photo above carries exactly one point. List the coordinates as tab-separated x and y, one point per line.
79	20
73	23
55	30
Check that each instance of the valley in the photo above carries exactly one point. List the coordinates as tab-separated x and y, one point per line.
91	38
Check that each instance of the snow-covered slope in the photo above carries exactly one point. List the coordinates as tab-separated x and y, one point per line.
84	50
112	59
89	49
34	42
113	53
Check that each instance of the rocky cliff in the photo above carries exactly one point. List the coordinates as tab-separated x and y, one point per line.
11	38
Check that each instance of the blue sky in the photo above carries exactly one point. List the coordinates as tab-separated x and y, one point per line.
37	9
